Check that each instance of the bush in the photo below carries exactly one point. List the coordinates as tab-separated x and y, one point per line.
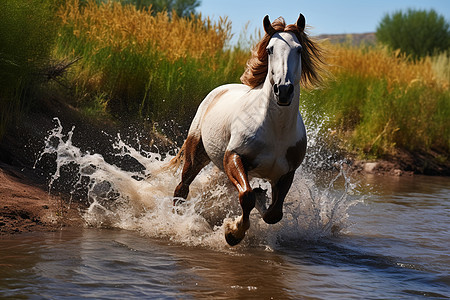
417	32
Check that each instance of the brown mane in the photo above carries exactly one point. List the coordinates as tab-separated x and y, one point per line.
312	61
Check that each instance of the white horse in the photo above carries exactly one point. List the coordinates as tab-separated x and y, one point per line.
255	128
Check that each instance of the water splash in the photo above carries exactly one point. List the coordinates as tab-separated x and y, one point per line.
142	200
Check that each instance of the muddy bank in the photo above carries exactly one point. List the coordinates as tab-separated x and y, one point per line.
404	163
24	206
25	201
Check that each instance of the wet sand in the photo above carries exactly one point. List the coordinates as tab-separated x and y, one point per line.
25	207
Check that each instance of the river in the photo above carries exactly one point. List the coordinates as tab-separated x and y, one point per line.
340	238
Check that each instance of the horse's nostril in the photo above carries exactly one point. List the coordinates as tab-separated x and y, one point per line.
275	89
290	89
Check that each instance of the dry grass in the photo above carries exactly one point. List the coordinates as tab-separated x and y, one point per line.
141	65
379	62
113	25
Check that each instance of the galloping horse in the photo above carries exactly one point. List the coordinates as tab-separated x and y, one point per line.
255	128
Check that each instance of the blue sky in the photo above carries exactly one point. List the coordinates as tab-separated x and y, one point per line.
326	16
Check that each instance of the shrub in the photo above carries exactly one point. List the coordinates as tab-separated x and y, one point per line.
416	32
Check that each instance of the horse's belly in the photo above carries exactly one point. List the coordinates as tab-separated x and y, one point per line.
215	140
269	167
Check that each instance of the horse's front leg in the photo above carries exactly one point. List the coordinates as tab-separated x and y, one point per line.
236	172
279	191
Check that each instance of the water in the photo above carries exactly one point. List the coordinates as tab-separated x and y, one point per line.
382	238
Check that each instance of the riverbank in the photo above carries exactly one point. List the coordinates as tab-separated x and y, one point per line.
404	163
26	207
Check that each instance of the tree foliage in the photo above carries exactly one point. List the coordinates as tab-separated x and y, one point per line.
183	8
415	32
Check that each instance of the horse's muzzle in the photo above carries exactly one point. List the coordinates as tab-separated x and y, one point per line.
283	93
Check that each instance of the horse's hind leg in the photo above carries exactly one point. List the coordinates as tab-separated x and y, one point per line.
237	174
195	160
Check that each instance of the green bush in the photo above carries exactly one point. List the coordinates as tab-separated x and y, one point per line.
416	32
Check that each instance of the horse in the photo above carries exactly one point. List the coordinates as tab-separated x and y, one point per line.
255	129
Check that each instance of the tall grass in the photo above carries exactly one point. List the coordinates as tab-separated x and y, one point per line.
27	34
144	65
380	101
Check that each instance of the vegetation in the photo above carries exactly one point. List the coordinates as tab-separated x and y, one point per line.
415	32
27	35
379	101
182	8
138	64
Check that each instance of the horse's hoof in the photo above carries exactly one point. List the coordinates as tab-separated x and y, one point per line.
232	240
260	201
178	201
273	217
178	207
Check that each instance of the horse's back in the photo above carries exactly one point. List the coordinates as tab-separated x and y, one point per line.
211	100
212	120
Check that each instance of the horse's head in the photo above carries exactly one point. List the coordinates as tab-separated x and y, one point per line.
284	61
291	54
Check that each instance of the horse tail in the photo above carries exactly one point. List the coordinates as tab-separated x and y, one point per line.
174	163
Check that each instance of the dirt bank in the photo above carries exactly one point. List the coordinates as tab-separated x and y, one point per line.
405	163
26	207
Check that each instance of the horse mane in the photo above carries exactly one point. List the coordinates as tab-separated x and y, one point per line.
312	57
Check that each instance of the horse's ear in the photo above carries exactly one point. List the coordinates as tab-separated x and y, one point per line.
268	26
301	23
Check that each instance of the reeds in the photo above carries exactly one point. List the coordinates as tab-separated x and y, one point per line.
111	24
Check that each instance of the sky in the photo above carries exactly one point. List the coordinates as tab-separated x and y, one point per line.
325	16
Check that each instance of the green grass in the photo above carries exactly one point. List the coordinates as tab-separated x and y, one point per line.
374	118
27	34
137	85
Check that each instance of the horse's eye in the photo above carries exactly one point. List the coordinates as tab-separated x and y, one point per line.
299	50
269	50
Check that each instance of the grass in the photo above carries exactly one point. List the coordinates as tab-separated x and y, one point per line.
27	35
146	66
380	101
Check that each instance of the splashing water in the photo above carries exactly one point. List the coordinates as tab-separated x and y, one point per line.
142	200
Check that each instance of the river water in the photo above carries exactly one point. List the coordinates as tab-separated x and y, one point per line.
341	238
